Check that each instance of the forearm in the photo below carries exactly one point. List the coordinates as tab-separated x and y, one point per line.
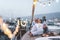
16	30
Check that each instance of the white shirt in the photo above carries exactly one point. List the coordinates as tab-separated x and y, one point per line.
37	29
39	26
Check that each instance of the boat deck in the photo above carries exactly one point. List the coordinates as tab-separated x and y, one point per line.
27	37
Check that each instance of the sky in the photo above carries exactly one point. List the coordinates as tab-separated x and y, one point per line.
20	8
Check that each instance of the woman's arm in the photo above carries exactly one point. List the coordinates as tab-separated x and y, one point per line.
6	31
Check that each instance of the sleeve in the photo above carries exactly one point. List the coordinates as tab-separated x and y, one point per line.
33	29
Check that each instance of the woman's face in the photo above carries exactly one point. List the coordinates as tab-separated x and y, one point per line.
39	21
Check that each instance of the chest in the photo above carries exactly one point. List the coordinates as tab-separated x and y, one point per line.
39	26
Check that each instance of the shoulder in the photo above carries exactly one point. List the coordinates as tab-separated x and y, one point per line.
4	25
41	23
36	24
